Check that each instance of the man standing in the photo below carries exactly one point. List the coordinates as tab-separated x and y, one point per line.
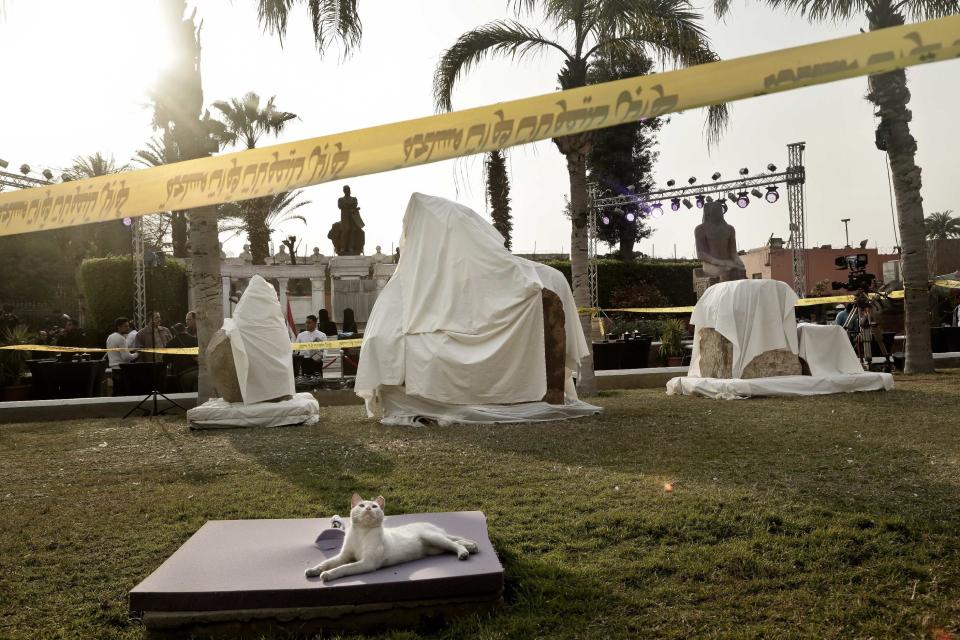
310	360
153	336
118	340
72	335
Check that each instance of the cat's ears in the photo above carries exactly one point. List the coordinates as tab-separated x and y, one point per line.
356	499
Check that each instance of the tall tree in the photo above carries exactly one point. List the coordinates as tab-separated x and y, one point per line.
498	192
242	123
281	207
941	225
178	108
889	94
621	159
102	238
161	151
585	30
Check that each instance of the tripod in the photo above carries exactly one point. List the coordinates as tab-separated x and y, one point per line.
861	325
159	370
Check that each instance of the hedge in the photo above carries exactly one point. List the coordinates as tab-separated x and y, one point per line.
107	286
673	278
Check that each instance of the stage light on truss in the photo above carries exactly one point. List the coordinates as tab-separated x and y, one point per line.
687	203
657	209
605	220
127	222
743	200
772	168
709	199
772	195
48	174
675	204
699	201
723	203
744	171
732	196
631	216
671	182
631	188
715	176
691	180
756	193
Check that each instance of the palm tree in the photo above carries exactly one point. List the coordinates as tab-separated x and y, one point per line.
243	122
280	209
941	225
332	21
498	191
102	238
669	30
161	151
889	94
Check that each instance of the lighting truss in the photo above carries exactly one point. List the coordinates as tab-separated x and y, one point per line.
18	181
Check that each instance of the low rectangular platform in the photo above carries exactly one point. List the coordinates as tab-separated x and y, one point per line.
233	571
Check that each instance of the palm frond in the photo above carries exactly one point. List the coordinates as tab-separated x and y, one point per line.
502	37
919	10
273	14
335	20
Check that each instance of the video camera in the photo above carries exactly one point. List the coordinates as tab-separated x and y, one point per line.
858	278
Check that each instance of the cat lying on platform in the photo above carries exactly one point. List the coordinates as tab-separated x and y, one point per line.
368	546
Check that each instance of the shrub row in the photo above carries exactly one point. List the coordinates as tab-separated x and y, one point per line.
674	279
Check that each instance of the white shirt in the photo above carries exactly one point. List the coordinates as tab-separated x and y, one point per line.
116	358
311	336
130	338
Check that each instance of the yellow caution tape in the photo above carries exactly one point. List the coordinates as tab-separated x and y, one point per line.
185	351
259	172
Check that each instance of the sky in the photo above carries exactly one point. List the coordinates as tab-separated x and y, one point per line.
76	73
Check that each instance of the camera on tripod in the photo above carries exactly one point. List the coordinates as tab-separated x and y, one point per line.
857	279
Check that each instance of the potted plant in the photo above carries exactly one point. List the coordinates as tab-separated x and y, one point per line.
13	364
671	341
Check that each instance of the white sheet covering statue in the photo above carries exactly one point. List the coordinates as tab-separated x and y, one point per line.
457	334
717	245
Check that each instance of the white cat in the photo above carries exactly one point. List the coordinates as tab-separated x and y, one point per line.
368	546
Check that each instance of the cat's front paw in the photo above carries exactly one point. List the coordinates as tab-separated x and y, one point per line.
312	572
462	553
327	575
471	546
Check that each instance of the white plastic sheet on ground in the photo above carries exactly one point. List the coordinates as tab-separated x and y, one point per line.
754	315
460	323
782	386
217	413
261	344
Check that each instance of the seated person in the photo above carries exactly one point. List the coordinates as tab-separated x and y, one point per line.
349	324
309	362
185	367
72	336
325	325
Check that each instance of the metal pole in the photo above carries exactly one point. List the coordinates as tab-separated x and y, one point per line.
796	177
846	230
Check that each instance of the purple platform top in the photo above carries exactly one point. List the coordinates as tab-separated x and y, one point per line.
258	564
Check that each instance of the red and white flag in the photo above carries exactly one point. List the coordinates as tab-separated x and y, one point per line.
291	325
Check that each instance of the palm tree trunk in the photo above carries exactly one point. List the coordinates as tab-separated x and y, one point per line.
205	282
178	232
576	148
627	240
888	91
258	233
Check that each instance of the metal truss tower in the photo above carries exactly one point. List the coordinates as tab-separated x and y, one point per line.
592	250
796	177
139	279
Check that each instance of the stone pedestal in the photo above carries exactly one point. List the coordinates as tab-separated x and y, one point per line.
223	370
716	359
702	281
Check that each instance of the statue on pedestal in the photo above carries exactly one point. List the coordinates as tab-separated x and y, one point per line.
316	257
348	235
379	257
717	246
283	257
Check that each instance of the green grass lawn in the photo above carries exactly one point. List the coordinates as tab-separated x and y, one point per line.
829	517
